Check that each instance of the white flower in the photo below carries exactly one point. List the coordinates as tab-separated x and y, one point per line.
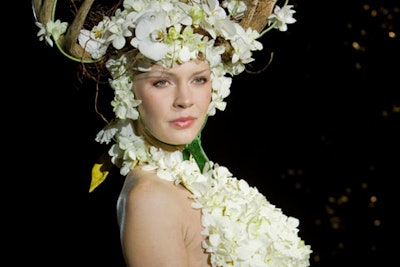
235	8
282	17
118	29
124	101
106	134
150	33
223	84
51	31
244	43
91	44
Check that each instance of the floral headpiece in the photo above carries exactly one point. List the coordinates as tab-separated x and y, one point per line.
140	33
164	32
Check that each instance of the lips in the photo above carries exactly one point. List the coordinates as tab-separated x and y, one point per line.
183	122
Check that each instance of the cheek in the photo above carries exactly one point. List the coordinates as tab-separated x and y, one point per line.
146	107
206	98
152	107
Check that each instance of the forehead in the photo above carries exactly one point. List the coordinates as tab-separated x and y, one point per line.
186	69
189	65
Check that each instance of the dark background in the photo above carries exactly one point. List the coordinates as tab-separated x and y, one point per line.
317	132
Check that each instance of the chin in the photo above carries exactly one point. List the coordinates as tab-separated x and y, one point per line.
182	139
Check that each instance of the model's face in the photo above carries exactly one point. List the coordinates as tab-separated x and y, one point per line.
174	100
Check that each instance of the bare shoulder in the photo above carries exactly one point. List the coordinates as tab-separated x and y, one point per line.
146	193
149	188
158	224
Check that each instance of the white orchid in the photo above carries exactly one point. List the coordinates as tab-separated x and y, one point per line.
118	29
150	34
236	8
51	31
281	17
95	46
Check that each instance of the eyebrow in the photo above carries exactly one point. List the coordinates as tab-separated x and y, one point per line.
164	71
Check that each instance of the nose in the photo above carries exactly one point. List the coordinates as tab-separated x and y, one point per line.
183	97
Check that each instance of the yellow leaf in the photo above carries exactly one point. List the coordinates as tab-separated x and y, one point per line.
100	171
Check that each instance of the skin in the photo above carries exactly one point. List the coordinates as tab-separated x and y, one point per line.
174	101
158	225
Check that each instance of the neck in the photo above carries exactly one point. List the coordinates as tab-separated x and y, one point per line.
152	140
194	148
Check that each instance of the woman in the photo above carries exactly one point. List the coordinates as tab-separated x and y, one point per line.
158	225
170	65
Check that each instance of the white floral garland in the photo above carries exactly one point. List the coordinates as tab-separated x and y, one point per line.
243	229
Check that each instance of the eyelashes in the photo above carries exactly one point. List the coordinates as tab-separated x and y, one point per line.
165	82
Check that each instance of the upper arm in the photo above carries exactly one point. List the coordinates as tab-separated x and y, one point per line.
152	232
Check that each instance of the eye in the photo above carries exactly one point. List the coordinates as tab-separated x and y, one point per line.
160	83
200	80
